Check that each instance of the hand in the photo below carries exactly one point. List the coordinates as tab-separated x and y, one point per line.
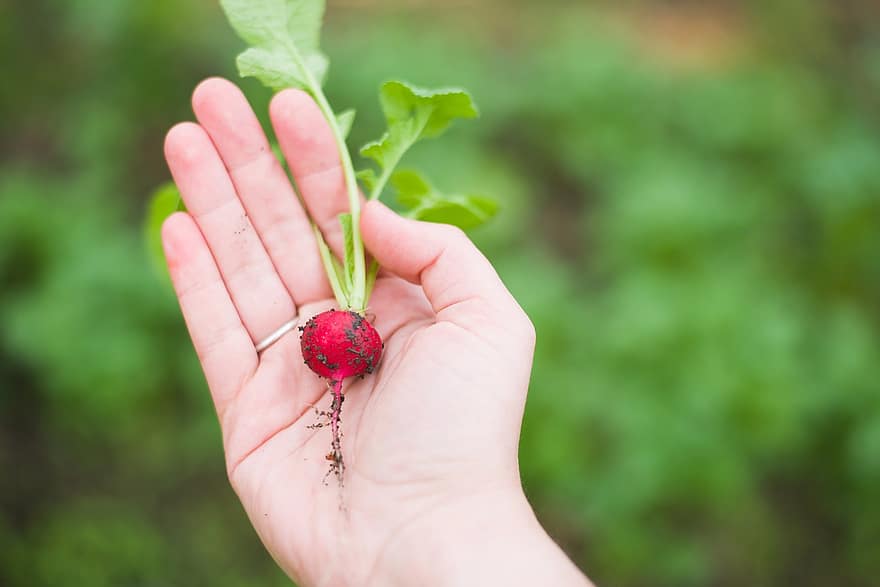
431	491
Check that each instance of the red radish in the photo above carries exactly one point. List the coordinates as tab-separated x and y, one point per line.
340	344
336	345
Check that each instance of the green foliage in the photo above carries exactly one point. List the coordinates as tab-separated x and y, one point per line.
284	52
697	248
412	114
348	259
164	202
345	120
284	38
422	201
98	544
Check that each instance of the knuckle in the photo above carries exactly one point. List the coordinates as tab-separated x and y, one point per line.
216	342
453	233
452	239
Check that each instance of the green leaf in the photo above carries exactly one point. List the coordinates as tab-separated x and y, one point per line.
276	70
348	240
402	102
345	120
334	270
464	211
368	178
378	150
164	202
279	155
413	113
284	36
411	187
258	22
372	274
424	202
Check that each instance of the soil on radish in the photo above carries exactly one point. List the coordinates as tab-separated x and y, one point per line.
335	345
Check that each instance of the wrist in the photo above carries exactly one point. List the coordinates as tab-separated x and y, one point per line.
484	539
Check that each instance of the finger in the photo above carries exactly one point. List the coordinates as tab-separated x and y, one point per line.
222	343
313	157
263	187
262	301
458	280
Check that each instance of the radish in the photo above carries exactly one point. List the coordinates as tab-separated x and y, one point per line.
337	345
284	52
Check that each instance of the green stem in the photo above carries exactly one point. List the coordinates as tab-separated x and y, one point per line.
332	269
356	299
383	179
372	273
388	168
357	295
387	171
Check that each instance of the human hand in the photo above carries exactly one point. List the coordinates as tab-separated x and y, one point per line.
431	493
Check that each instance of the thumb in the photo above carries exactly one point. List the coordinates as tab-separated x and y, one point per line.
458	280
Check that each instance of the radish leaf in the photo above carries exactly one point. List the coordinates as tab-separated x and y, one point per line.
368	178
164	202
277	70
345	120
333	269
424	202
284	36
413	113
348	240
411	186
402	102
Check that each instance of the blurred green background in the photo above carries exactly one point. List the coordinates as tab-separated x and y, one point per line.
691	215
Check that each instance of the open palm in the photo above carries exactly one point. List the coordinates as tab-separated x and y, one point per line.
436	427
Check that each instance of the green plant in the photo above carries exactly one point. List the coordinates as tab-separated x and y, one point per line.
284	52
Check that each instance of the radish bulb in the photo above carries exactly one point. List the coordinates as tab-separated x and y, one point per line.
337	345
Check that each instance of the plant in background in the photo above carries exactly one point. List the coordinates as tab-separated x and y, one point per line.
284	52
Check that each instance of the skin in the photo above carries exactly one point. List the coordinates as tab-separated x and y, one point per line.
432	492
